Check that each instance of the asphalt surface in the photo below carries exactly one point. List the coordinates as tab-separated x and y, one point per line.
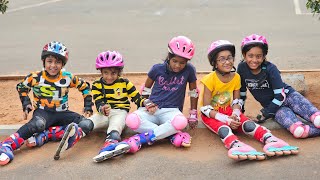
206	159
140	30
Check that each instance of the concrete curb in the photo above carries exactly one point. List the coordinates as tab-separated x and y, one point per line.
10	129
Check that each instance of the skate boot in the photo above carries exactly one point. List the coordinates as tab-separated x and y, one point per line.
71	136
275	146
52	134
7	147
111	148
299	130
181	139
241	151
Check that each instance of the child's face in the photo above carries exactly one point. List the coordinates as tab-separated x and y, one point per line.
52	65
254	58
109	75
177	63
225	61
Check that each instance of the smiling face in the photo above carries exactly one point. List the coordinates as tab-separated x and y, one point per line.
52	65
177	63
109	75
224	61
254	58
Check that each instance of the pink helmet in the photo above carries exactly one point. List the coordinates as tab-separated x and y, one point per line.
218	46
109	59
254	39
181	46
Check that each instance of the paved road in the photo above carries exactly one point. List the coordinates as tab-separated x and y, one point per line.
206	159
140	30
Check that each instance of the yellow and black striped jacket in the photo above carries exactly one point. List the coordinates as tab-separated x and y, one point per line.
116	94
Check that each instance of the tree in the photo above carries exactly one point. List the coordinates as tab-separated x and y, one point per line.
3	6
314	6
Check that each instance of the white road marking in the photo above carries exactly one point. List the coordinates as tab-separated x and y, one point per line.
32	6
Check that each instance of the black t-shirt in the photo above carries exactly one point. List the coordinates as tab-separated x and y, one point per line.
264	86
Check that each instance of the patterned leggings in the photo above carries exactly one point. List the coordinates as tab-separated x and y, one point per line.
295	104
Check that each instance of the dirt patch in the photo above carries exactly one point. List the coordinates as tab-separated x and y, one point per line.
11	109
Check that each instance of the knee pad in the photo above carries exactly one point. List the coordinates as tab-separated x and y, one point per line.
179	122
133	121
114	135
86	125
249	127
37	124
224	131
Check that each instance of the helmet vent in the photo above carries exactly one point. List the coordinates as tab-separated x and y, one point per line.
184	48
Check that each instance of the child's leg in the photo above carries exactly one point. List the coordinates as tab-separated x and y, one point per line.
99	121
54	133
111	146
37	124
79	127
273	145
117	121
288	119
132	145
172	122
7	147
303	107
237	149
141	121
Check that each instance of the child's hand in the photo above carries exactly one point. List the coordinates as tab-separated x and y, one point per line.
193	119
26	111
234	123
150	106
105	109
87	114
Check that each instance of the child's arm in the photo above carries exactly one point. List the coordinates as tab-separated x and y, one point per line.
279	94
84	87
146	88
146	92
23	89
208	110
243	89
236	104
193	115
134	94
99	98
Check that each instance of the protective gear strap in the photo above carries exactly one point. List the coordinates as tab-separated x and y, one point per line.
88	103
148	104
237	101
281	91
193	114
206	110
236	112
145	91
243	93
194	93
223	118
